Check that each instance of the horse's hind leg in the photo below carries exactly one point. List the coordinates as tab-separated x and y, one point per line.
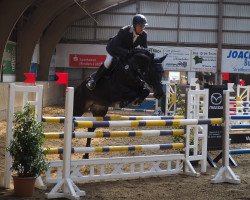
88	143
99	111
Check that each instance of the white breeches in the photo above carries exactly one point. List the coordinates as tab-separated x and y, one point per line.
108	61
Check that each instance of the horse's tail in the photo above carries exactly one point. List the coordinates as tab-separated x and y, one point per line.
80	99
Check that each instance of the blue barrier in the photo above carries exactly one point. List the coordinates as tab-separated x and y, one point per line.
239	151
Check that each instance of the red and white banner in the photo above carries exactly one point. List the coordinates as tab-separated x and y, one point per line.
86	61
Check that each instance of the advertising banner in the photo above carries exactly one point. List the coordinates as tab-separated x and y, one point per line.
204	60
9	58
52	68
86	61
215	110
178	59
158	51
235	61
240	138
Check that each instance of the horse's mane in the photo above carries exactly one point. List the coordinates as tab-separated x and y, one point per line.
143	51
141	56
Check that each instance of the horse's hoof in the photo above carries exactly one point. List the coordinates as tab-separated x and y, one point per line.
157	113
85	156
61	156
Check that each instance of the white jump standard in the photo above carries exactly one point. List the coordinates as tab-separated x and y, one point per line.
173	163
226	174
68	172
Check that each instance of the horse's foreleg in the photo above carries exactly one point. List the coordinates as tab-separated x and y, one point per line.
142	94
96	110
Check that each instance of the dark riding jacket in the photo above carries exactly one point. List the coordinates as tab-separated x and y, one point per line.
119	45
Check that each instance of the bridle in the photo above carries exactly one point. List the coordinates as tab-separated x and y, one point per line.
137	70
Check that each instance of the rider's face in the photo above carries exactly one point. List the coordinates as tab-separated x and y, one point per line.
139	28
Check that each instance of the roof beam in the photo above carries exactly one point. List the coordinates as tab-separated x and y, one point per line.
30	34
10	12
55	31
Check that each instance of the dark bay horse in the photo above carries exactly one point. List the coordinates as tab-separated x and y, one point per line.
127	82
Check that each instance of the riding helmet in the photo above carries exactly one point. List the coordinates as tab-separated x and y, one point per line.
139	19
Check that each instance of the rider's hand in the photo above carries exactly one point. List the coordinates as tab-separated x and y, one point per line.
129	54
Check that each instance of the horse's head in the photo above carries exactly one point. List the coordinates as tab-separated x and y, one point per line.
150	69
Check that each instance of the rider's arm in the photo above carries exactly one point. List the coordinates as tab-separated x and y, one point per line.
144	40
116	45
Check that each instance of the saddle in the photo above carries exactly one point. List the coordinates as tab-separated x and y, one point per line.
114	64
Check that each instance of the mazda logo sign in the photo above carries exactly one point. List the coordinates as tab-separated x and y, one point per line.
216	98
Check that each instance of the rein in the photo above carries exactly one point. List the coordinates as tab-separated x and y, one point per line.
136	70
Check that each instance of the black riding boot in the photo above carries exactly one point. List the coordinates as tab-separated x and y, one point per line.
93	79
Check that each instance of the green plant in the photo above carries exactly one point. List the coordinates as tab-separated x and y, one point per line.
26	146
180	103
181	110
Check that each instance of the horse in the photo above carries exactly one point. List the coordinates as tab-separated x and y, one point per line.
127	82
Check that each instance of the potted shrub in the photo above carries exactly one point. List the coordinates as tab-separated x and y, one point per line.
26	151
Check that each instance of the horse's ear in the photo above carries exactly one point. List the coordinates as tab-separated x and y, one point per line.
161	59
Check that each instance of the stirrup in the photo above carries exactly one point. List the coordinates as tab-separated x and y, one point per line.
91	84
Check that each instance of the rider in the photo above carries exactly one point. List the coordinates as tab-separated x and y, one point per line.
120	45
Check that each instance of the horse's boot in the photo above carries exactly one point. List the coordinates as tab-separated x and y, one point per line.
93	79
